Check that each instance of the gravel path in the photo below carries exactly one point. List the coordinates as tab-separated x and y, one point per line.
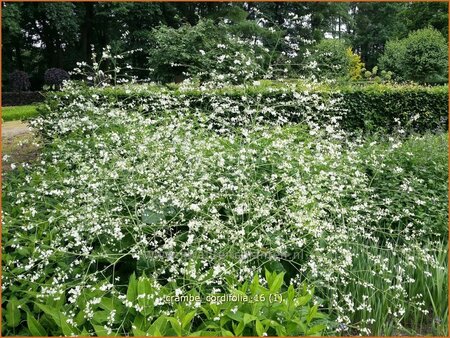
14	128
18	144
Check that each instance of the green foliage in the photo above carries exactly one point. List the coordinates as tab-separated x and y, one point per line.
67	30
425	14
434	322
373	76
426	57
373	24
421	57
355	65
393	57
378	106
255	308
412	175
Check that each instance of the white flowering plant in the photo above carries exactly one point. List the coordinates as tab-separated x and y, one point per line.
138	198
207	51
105	69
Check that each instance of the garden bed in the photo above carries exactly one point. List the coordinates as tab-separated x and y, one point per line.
136	202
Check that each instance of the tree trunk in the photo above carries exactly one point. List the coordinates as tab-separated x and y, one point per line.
18	53
339	27
86	30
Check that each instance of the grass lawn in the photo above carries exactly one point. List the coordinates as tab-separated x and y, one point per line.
18	112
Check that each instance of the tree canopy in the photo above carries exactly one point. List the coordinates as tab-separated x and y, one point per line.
40	36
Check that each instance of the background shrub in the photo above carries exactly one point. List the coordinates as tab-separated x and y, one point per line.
202	51
421	57
393	58
333	58
55	77
19	81
355	65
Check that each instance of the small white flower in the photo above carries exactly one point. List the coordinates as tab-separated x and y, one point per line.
194	207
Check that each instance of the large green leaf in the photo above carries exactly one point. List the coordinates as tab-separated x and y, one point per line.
259	328
158	327
132	289
53	313
35	327
176	326
12	313
249	318
187	319
311	314
316	330
68	330
152	217
101	331
277	283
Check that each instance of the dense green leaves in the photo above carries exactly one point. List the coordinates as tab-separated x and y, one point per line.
331	58
421	57
258	315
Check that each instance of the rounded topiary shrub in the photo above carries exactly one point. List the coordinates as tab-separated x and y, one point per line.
421	57
55	77
19	81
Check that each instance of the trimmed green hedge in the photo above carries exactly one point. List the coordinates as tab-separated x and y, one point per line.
378	106
366	107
